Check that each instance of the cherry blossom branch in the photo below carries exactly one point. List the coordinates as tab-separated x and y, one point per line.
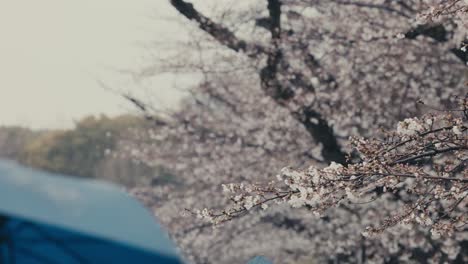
222	34
379	172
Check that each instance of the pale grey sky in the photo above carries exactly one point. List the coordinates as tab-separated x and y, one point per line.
53	51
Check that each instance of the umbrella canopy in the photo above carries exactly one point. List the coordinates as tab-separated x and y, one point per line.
47	218
259	260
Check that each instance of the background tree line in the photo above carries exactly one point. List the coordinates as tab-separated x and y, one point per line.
84	151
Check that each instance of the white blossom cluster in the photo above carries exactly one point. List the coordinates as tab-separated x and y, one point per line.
409	126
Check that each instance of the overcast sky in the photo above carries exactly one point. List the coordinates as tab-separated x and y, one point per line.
52	52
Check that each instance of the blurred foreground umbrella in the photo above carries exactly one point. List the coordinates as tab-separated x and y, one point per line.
259	260
47	218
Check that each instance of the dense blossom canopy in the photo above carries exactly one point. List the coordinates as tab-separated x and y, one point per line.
286	84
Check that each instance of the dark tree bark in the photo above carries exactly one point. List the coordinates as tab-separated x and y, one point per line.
438	33
222	34
315	124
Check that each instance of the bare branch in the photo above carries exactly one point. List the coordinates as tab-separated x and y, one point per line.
222	34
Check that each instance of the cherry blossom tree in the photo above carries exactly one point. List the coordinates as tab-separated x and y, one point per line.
286	83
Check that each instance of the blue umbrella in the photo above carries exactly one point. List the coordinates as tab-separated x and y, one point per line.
259	260
47	218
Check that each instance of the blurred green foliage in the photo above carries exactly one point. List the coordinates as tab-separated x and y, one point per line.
78	151
13	140
82	151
